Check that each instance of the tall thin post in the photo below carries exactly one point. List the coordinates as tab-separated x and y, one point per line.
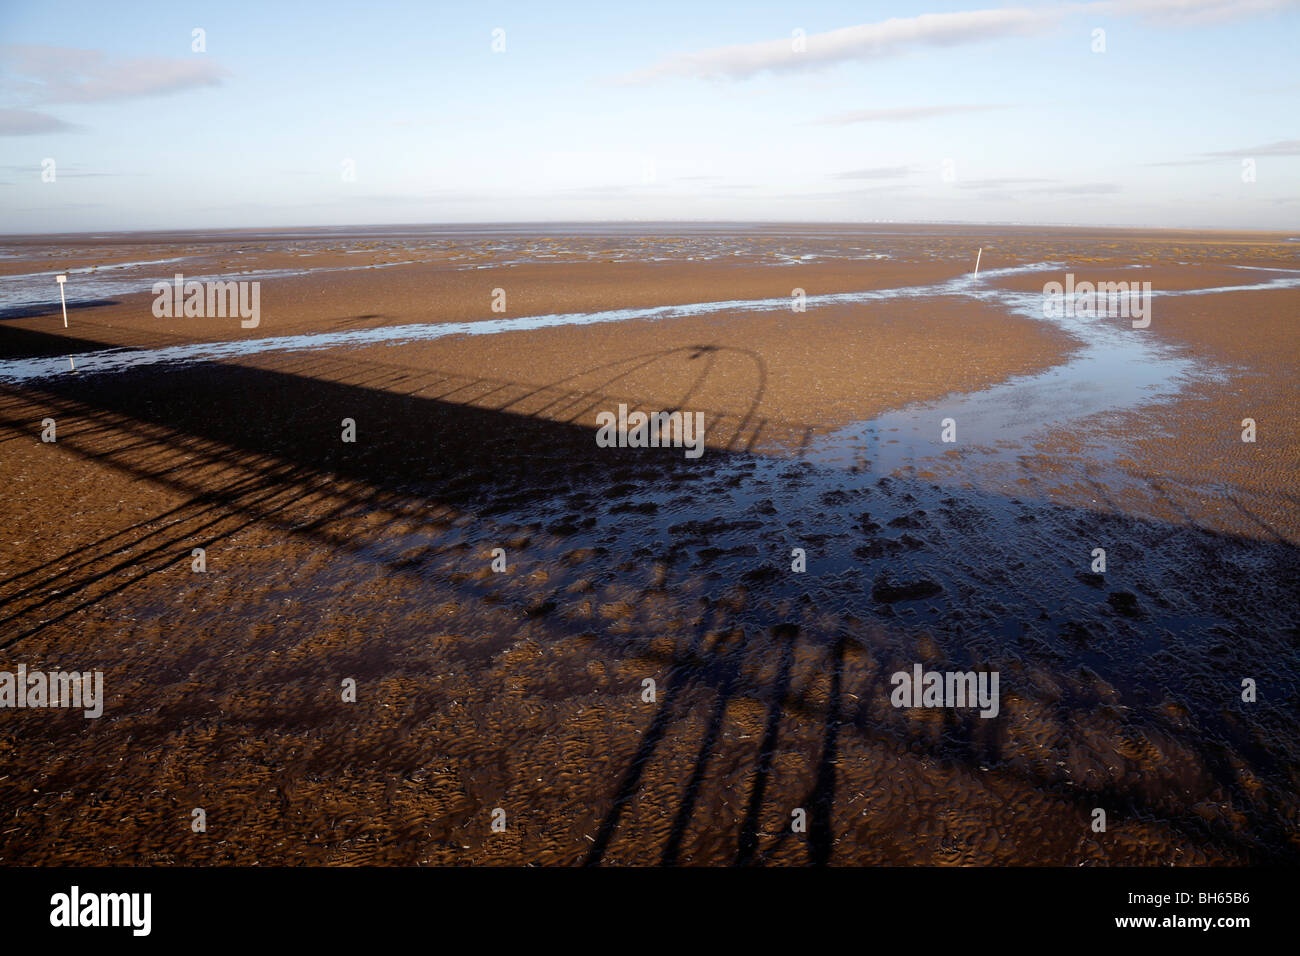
60	279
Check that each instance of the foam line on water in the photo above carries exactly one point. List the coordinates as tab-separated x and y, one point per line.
122	359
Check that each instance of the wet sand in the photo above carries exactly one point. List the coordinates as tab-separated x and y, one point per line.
522	690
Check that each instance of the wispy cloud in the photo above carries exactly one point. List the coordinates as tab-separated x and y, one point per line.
1182	162
886	38
878	172
34	171
1017	189
30	123
863	42
1191	12
901	114
1082	189
1283	147
892	188
42	75
1000	183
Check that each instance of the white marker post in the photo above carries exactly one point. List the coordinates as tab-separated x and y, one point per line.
60	279
977	262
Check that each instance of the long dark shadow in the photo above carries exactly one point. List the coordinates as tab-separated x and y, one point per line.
786	636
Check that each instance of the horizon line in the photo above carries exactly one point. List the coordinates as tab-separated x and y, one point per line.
524	224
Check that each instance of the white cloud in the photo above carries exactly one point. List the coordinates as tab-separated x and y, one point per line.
1191	12
30	123
901	114
1000	183
870	41
1283	147
878	172
863	42
37	75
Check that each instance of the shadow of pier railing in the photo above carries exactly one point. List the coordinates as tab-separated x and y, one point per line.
258	442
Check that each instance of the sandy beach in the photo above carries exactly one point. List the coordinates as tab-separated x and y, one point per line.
523	689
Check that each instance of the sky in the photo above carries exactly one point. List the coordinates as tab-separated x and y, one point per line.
1173	113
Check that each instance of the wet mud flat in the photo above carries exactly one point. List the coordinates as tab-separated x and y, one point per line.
524	690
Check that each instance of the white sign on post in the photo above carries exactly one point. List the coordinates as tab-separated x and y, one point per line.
60	279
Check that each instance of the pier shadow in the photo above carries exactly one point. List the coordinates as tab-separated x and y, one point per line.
50	308
19	343
244	444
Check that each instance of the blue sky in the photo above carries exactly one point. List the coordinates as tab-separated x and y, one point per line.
605	112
